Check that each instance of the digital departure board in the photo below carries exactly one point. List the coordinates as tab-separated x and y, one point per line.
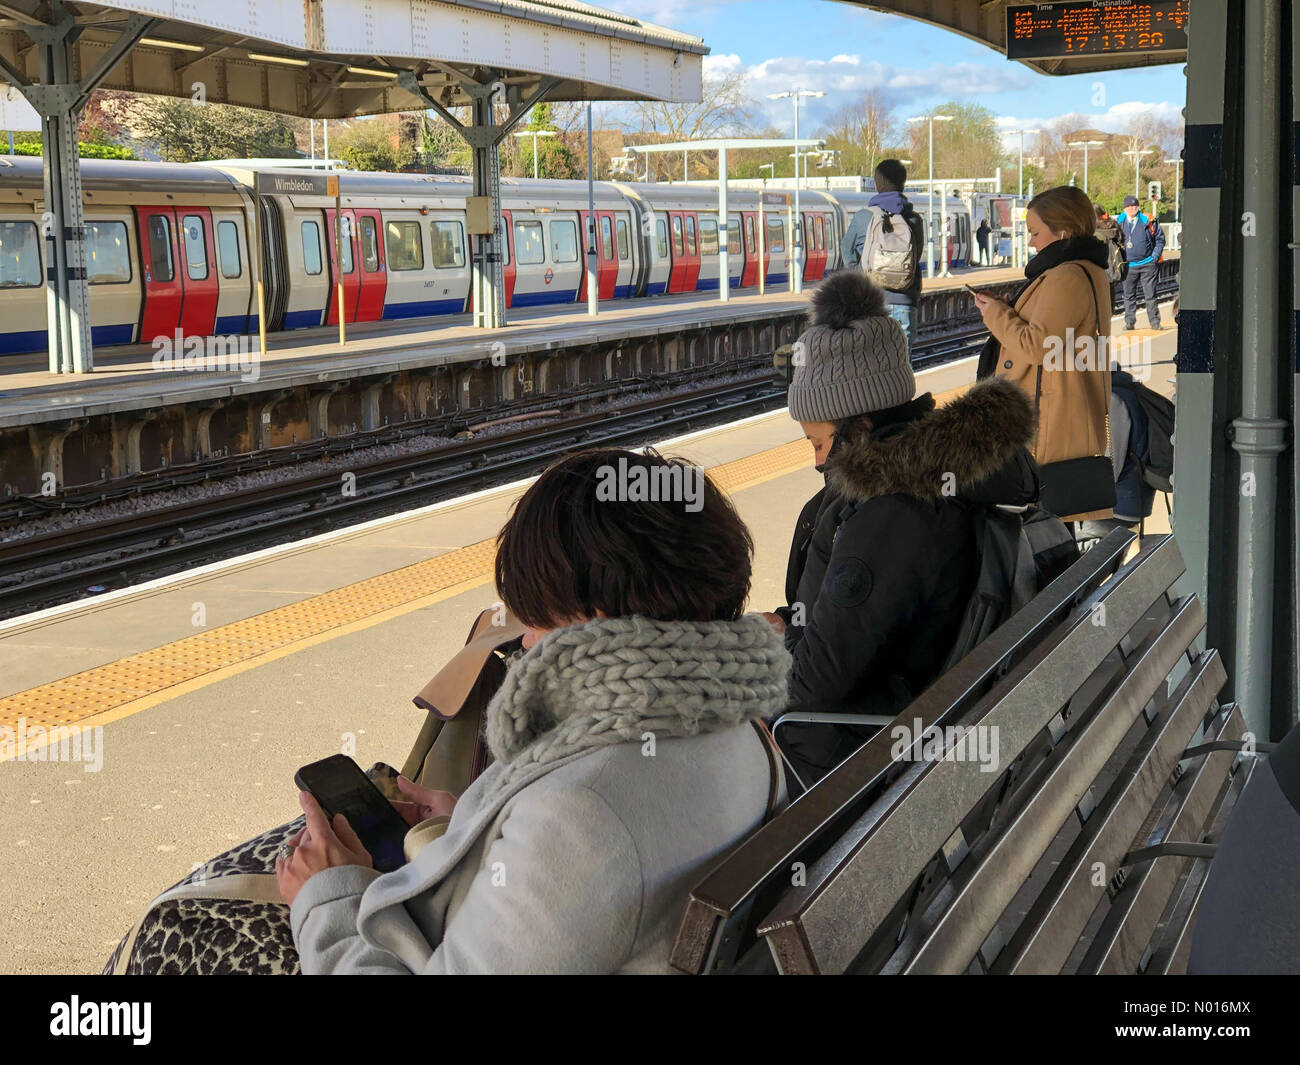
1096	27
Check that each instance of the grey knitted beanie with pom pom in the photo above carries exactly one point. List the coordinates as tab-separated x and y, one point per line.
852	359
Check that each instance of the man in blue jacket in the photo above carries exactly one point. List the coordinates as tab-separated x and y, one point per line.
890	177
1144	241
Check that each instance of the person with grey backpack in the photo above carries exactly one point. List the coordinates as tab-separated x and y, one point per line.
884	241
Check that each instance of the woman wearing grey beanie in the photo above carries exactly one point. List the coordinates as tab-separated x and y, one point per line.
884	558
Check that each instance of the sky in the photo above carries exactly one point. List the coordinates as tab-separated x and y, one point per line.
845	50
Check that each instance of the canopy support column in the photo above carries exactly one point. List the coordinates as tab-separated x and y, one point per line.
59	99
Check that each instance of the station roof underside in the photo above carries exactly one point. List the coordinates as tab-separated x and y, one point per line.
986	21
340	58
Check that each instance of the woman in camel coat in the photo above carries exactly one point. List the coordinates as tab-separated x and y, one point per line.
1046	338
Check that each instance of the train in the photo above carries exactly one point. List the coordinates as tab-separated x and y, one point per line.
168	246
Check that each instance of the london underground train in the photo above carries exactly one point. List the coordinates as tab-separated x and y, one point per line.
168	247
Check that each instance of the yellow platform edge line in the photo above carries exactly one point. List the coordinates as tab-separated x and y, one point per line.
781	460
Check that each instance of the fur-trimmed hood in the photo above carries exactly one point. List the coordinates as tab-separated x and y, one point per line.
973	448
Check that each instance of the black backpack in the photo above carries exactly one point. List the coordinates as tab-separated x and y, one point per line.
1020	550
1157	465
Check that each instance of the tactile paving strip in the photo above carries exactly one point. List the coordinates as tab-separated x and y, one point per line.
107	687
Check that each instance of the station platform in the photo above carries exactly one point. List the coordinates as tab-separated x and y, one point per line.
213	686
125	378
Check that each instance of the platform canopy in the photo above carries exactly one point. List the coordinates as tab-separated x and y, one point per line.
986	21
340	58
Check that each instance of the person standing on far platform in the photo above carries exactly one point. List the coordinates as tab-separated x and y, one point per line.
884	240
1144	242
982	241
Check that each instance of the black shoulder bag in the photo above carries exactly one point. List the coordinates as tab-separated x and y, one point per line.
1083	485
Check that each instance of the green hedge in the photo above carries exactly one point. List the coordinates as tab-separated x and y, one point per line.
87	151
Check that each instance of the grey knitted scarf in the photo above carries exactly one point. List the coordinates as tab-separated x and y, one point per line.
611	680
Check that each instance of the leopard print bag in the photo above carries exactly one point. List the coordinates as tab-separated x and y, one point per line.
227	917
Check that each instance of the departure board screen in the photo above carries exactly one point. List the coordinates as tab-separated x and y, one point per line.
1096	27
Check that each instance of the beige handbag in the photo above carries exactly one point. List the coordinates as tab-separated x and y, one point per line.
450	750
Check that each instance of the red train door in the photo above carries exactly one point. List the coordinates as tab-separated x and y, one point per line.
749	275
692	250
508	237
199	270
607	263
160	262
374	269
351	279
680	271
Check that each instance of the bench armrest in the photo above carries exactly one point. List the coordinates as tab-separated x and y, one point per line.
809	717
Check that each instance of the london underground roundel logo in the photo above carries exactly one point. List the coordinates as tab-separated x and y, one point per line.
549	276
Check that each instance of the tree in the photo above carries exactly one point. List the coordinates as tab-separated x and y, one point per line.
969	146
555	159
860	130
374	144
442	149
725	110
186	131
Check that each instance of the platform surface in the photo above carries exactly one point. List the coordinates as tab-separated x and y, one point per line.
213	687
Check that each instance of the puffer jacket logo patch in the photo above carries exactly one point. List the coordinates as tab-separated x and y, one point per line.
848	582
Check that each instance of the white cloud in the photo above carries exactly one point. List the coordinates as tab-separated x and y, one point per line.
1114	119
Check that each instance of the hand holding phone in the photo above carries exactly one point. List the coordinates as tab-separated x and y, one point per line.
340	787
970	290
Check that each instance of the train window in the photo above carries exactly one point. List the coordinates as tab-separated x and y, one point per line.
819	229
345	245
564	241
679	249
369	245
751	241
228	249
661	233
311	247
196	247
775	233
733	235
624	252
708	235
505	241
160	247
404	246
529	248
607	237
20	255
448	245
108	253
690	235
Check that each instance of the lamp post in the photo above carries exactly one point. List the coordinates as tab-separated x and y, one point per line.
768	166
797	227
929	215
535	133
1178	174
1021	133
1085	145
1137	155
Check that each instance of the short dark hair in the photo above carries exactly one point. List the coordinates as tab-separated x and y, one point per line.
891	176
573	548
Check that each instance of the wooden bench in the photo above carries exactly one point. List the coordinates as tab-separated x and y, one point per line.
1083	850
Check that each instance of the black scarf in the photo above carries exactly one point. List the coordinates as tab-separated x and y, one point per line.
1071	249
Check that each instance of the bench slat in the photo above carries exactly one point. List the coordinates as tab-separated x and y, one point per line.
952	943
1061	912
721	903
1122	941
823	927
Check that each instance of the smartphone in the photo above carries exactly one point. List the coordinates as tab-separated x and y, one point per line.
339	785
969	289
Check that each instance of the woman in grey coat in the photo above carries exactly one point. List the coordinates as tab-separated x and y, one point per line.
626	761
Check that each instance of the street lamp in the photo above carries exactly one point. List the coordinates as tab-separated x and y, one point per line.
768	166
797	264
1085	145
1178	174
1137	155
1021	133
535	133
929	221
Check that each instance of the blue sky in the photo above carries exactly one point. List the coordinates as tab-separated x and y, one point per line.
845	50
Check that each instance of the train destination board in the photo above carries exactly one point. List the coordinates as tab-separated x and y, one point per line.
1096	27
